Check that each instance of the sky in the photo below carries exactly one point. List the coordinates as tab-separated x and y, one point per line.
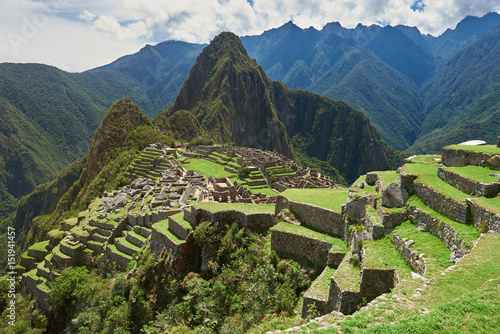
77	35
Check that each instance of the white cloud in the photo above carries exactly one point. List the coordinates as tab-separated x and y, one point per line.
107	27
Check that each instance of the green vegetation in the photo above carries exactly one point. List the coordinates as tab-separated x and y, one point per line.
366	188
468	233
338	245
208	168
331	199
489	149
347	274
427	174
437	256
492	204
381	254
475	173
321	285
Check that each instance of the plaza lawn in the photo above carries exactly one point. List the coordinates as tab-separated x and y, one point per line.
208	168
489	149
331	199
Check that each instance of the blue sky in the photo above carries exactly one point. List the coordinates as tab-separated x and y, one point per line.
78	35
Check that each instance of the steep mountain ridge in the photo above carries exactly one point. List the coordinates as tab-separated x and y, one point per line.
233	100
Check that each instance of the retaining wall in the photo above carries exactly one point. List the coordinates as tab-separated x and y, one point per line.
375	282
468	186
412	258
455	210
462	157
482	218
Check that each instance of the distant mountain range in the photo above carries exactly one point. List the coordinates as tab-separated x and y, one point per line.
420	92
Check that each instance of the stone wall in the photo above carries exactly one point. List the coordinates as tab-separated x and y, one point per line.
29	287
412	258
375	282
461	157
447	206
253	221
468	186
439	229
301	248
321	219
335	258
498	143
390	219
343	301
483	219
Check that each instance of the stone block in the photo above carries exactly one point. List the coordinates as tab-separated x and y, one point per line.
394	196
371	178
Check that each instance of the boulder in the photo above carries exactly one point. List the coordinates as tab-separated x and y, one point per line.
394	196
371	178
361	185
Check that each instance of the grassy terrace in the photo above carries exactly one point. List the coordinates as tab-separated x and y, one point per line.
388	176
337	243
208	168
262	189
245	208
437	256
162	227
41	246
367	188
381	254
321	286
117	251
427	175
468	233
490	149
179	218
475	173
331	199
375	218
492	204
347	275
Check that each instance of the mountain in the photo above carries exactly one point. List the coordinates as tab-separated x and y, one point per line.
231	99
463	100
343	69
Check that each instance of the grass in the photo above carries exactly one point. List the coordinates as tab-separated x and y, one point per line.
265	190
338	244
381	254
436	255
208	168
41	246
468	233
179	218
162	227
490	149
321	286
347	275
427	175
375	218
331	199
388	176
367	188
245	208
492	204
475	173
117	251
71	221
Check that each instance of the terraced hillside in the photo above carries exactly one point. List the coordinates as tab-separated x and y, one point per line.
394	245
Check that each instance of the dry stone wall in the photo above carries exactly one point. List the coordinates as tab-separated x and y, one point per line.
412	258
302	248
483	219
468	186
439	229
252	221
375	282
455	210
322	219
461	157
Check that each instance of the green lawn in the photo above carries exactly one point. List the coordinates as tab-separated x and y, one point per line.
320	288
338	245
381	254
331	199
245	208
208	168
179	218
490	149
388	176
475	173
436	254
367	188
41	246
347	275
430	158
427	175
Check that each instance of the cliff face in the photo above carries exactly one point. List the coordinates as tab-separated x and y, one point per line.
232	100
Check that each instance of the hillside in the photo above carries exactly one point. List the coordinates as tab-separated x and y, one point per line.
164	252
233	101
